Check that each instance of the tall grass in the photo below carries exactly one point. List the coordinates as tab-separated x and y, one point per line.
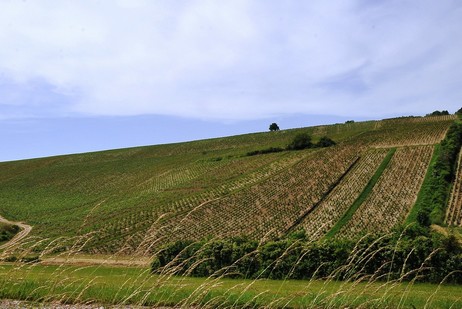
135	285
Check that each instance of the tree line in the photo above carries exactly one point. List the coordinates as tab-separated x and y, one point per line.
301	141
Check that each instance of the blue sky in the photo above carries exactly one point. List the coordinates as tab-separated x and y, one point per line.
79	76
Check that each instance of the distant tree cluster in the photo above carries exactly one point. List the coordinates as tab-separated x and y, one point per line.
438	113
459	112
301	141
349	121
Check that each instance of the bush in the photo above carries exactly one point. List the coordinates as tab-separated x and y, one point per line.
407	255
7	231
265	151
325	142
300	141
30	259
10	259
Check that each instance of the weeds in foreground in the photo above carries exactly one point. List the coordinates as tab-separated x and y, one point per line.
27	278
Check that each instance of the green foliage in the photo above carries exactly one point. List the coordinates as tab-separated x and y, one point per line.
436	190
325	142
264	151
274	127
30	259
7	231
459	111
410	255
235	257
301	141
438	113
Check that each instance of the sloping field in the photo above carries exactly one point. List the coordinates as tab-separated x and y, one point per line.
454	211
331	209
395	193
132	200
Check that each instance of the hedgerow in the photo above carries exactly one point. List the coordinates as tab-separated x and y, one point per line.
409	255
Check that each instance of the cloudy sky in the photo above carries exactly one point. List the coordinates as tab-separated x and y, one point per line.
86	75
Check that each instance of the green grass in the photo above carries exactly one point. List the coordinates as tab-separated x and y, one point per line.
110	285
362	197
412	217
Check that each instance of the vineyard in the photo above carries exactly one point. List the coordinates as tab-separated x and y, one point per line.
131	201
395	193
454	211
324	217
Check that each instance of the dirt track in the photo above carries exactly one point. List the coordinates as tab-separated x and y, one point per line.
25	230
87	260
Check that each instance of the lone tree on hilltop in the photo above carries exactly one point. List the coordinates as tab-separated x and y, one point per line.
274	127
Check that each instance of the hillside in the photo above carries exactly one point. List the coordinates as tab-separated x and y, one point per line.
133	200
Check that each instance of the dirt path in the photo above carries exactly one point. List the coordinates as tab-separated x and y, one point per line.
87	260
25	230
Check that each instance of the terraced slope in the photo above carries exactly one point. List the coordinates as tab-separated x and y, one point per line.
454	211
132	200
332	208
394	195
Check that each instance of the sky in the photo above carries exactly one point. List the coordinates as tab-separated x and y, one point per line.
88	75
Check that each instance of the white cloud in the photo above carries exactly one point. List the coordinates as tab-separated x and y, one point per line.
238	60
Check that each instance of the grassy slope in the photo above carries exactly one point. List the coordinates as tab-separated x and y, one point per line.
367	190
110	285
124	191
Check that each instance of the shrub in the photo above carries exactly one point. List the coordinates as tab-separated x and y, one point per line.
407	255
300	141
325	142
7	231
264	151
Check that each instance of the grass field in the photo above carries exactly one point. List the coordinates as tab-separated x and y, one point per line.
116	285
